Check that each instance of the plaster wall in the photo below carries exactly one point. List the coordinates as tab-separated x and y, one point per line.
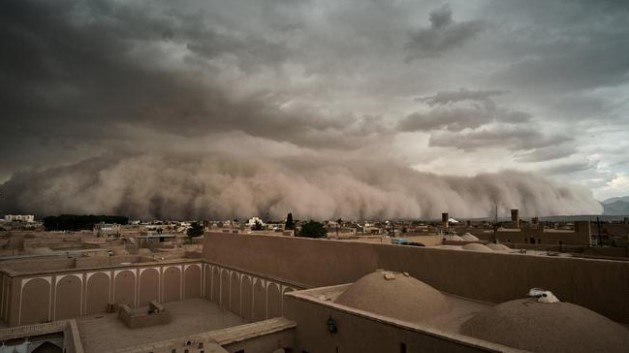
312	335
581	235
250	296
50	296
600	285
263	344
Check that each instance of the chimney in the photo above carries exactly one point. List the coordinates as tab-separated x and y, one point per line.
444	220
515	218
583	231
535	222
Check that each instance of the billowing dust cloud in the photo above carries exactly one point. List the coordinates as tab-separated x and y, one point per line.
219	186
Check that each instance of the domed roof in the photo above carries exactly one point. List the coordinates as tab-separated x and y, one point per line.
476	247
558	327
498	247
395	295
469	237
453	237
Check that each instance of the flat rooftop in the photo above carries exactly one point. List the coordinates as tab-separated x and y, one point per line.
106	333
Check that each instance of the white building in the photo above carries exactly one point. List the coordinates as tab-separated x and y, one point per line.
19	218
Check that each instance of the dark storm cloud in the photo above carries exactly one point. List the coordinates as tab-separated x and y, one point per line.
457	119
442	35
568	168
235	108
575	64
563	46
459	110
463	94
512	138
76	66
547	153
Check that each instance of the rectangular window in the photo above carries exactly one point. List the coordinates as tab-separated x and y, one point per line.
402	347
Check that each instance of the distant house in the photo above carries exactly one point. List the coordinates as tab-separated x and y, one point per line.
105	229
19	218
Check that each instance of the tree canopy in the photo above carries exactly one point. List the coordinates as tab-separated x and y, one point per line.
257	226
312	229
80	222
195	230
290	224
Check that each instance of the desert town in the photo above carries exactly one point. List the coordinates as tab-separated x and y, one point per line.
263	286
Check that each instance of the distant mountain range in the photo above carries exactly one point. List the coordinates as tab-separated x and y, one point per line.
616	206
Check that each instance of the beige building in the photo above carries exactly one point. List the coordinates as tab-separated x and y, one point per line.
19	218
254	293
580	235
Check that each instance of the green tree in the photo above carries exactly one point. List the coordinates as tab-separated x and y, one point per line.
290	224
195	230
312	229
257	226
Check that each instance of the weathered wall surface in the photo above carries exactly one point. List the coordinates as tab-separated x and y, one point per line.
250	296
312	335
51	296
600	285
581	235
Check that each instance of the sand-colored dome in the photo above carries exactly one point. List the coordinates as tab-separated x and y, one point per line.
559	327
469	237
498	247
401	297
476	247
452	237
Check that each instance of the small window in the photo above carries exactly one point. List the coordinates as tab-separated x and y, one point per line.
185	351
173	350
402	347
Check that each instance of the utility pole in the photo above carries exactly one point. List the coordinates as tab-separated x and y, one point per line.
496	223
598	227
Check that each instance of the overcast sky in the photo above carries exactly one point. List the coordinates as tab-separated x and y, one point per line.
456	88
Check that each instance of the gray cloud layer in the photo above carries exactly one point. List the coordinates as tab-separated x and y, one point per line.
204	95
442	35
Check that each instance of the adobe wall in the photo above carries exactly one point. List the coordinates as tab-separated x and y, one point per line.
38	265
134	319
58	295
264	343
251	296
581	235
600	285
71	338
312	335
